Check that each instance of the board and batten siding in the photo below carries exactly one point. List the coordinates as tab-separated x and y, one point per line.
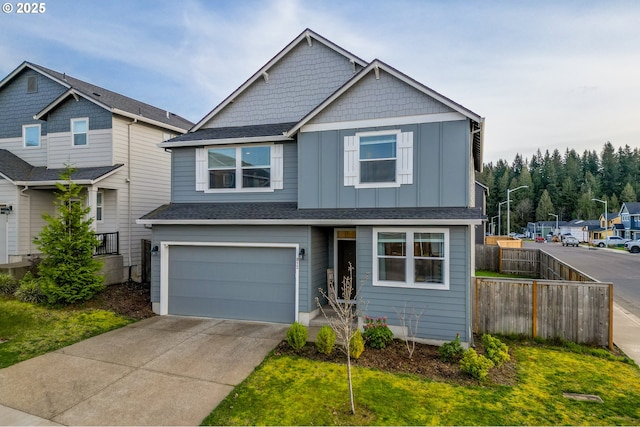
295	85
318	255
441	169
446	312
9	195
234	234
183	175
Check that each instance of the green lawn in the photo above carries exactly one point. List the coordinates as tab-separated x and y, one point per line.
28	330
288	390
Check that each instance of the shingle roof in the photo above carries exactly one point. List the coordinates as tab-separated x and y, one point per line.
633	207
116	100
235	132
289	211
17	170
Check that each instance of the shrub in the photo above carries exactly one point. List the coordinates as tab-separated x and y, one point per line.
452	350
356	346
30	290
8	284
495	350
326	340
475	365
376	332
297	336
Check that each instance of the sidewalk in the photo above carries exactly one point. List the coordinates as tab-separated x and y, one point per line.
626	332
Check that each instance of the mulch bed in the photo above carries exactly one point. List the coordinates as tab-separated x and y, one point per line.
129	299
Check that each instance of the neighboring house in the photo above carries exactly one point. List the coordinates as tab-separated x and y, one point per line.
482	192
579	228
49	120
609	226
321	160
543	228
630	220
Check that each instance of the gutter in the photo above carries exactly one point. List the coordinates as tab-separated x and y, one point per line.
334	222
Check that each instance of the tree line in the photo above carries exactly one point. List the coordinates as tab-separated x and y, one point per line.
562	184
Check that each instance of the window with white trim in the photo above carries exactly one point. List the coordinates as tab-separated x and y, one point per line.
31	136
412	257
239	168
378	159
79	132
99	206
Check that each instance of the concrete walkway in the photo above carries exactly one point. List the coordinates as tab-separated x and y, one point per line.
164	370
626	332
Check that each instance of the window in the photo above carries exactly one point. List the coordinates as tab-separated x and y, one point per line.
239	168
79	129
411	258
378	159
32	84
31	135
99	205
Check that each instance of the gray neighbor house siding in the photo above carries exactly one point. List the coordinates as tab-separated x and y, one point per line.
317	99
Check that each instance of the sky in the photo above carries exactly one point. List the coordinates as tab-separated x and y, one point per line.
543	74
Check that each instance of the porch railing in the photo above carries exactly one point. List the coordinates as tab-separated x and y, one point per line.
109	244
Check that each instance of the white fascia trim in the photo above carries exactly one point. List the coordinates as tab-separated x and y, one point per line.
164	265
268	65
387	121
334	222
24	65
225	141
147	120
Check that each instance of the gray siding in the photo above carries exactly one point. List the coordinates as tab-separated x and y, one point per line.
446	312
318	254
375	98
60	119
297	84
246	234
183	175
440	169
18	107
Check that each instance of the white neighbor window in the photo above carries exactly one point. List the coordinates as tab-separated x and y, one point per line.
31	136
249	168
79	132
411	257
378	159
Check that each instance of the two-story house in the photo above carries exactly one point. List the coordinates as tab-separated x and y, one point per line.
630	220
321	160
49	120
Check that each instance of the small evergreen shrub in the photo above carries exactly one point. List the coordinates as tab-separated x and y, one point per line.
8	284
30	290
297	336
451	351
495	350
356	346
376	332
326	340
475	365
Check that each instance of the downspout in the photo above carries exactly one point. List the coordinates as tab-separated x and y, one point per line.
129	204
26	187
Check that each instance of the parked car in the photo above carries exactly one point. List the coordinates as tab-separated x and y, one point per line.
633	246
610	241
570	241
539	239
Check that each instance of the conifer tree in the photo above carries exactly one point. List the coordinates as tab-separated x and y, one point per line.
69	272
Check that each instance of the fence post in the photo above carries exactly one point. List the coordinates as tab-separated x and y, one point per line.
477	312
610	316
500	260
534	299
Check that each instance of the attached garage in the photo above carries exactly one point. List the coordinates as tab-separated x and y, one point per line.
250	282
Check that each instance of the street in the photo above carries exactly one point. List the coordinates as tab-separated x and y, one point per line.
606	265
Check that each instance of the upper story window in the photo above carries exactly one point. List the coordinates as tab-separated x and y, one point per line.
417	258
378	159
31	136
239	168
79	132
32	84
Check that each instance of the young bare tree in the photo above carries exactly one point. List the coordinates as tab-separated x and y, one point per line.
409	322
345	322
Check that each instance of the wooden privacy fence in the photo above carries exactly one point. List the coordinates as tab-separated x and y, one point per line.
575	311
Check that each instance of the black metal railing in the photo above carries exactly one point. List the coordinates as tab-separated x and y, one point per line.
109	244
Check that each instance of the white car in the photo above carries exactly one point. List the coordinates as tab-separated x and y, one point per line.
610	241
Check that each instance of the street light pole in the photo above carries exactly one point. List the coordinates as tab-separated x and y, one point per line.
509	208
493	225
606	221
556	219
499	218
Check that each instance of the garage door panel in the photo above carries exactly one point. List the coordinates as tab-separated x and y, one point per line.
230	282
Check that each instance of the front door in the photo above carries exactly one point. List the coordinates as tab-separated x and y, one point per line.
346	253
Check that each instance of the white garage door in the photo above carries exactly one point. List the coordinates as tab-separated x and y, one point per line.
249	283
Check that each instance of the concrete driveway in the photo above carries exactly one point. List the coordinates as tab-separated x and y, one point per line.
165	370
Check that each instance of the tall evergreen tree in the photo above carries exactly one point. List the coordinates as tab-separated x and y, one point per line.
545	207
628	194
68	271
